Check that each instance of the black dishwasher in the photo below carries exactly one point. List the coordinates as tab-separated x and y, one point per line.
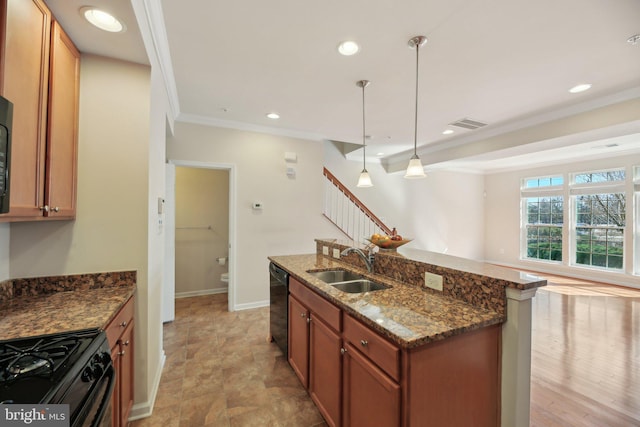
279	306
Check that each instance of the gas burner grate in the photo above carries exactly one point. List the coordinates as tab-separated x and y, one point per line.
43	358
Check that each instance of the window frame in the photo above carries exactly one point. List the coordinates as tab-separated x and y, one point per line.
527	193
595	188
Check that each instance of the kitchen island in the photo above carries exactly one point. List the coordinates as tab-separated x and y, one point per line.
456	358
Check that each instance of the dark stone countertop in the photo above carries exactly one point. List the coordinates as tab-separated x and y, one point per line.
405	314
34	313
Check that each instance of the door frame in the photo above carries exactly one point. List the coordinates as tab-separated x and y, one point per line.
231	168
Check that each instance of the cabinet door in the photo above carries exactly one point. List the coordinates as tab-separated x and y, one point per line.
25	83
299	340
325	370
371	398
115	397
126	374
62	137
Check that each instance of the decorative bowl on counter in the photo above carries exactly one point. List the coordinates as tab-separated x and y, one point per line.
388	244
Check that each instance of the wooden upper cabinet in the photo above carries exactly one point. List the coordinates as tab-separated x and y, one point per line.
62	136
40	75
25	83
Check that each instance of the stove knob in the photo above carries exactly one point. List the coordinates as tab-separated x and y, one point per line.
98	370
88	374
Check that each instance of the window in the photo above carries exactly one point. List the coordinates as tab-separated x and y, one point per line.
597	177
600	221
547	181
544	227
543	207
580	221
599	224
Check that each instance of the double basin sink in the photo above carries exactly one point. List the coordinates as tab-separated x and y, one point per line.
347	281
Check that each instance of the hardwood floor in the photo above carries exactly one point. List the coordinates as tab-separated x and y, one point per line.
585	358
220	371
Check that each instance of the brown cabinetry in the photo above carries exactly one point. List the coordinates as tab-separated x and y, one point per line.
371	375
325	367
120	337
371	398
299	340
315	348
358	378
39	73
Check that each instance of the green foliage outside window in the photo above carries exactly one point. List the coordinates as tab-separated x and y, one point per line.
544	228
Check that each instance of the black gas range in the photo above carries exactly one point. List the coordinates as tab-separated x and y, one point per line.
71	368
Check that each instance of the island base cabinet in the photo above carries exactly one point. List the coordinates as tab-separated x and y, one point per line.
299	340
371	398
454	382
325	369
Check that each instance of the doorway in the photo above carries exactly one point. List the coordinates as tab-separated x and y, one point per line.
198	232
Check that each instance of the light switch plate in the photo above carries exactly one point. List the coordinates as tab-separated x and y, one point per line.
325	250
433	281
336	253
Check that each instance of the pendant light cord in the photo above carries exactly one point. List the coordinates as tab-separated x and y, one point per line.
415	129
364	145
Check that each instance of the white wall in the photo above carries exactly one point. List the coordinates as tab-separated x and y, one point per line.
292	213
502	214
442	213
202	200
110	232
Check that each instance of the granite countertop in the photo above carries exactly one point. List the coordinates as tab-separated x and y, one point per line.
407	315
33	315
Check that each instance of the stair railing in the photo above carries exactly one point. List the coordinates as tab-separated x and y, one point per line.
348	213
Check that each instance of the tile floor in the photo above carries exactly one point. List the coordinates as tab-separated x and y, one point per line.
221	371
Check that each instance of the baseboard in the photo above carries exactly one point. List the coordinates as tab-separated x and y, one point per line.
144	409
201	292
250	305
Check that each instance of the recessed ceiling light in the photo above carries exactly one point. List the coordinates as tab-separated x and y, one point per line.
580	88
447	132
273	116
103	20
348	48
380	154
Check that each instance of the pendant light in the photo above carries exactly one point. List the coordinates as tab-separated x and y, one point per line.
365	179
415	169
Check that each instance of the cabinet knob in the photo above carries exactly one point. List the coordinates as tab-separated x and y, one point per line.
56	209
308	319
121	353
303	314
343	350
364	343
126	342
123	324
44	208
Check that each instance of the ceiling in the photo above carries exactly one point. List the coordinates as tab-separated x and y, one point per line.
501	62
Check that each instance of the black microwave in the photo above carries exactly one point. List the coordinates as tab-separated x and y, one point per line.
6	118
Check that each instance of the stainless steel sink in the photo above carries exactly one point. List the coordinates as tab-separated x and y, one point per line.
359	286
334	276
347	281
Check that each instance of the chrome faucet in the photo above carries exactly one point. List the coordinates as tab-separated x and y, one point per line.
368	259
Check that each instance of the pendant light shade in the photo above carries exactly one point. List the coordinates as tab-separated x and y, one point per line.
365	179
415	169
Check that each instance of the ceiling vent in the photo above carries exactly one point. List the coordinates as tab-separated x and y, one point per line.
468	124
